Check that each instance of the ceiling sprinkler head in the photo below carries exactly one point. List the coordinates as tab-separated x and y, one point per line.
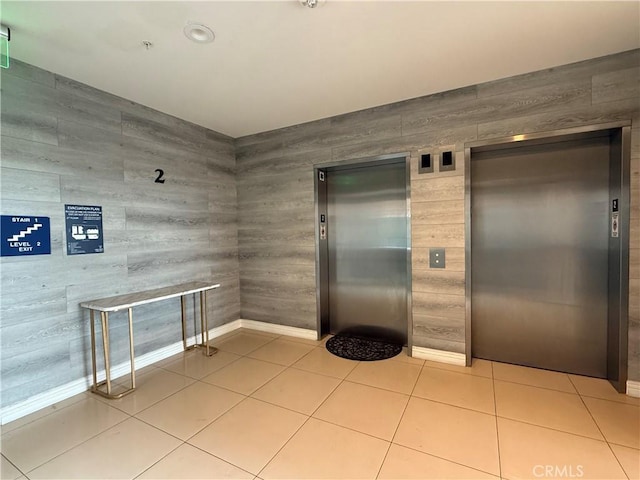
310	3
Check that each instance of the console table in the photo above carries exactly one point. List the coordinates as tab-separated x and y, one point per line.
130	300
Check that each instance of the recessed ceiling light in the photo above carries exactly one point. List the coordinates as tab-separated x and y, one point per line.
199	33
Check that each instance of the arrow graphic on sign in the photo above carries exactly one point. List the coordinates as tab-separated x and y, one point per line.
24	233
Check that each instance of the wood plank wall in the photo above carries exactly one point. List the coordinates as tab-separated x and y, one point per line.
275	186
63	142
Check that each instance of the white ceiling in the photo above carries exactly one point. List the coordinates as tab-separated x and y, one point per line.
277	63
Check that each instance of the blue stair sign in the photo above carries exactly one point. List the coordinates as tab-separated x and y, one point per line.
24	235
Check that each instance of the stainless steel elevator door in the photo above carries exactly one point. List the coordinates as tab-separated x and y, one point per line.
539	253
367	251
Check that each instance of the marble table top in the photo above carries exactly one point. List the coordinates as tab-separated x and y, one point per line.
128	300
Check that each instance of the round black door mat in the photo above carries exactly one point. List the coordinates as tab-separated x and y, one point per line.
363	349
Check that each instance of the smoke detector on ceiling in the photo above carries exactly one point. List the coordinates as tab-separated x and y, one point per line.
199	33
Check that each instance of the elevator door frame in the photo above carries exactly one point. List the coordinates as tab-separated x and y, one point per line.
321	246
617	348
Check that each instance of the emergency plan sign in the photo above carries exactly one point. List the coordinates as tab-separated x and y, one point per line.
84	229
24	235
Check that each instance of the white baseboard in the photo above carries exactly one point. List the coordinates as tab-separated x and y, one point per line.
633	388
279	329
441	356
224	329
57	394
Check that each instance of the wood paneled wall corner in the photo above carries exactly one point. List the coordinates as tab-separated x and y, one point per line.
271	166
242	211
65	142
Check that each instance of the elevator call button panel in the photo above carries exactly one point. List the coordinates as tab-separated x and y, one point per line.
436	258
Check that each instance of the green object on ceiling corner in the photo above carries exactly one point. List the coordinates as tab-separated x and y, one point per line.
4	52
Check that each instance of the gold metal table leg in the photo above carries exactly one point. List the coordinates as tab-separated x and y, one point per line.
133	367
183	314
203	343
209	351
104	318
93	350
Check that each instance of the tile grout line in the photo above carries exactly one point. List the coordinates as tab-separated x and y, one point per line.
291	409
535	386
554	429
303	423
285	367
558	429
404	411
160	400
609	400
311	416
160	429
185	442
85	394
14	466
447	460
287	441
159	460
219	458
454	406
198	431
189	377
442	369
606	440
495	413
88	397
343	380
340	382
129	417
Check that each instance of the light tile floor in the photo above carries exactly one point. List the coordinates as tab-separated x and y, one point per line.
274	407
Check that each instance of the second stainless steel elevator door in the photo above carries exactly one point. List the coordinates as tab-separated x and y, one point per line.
367	251
539	253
